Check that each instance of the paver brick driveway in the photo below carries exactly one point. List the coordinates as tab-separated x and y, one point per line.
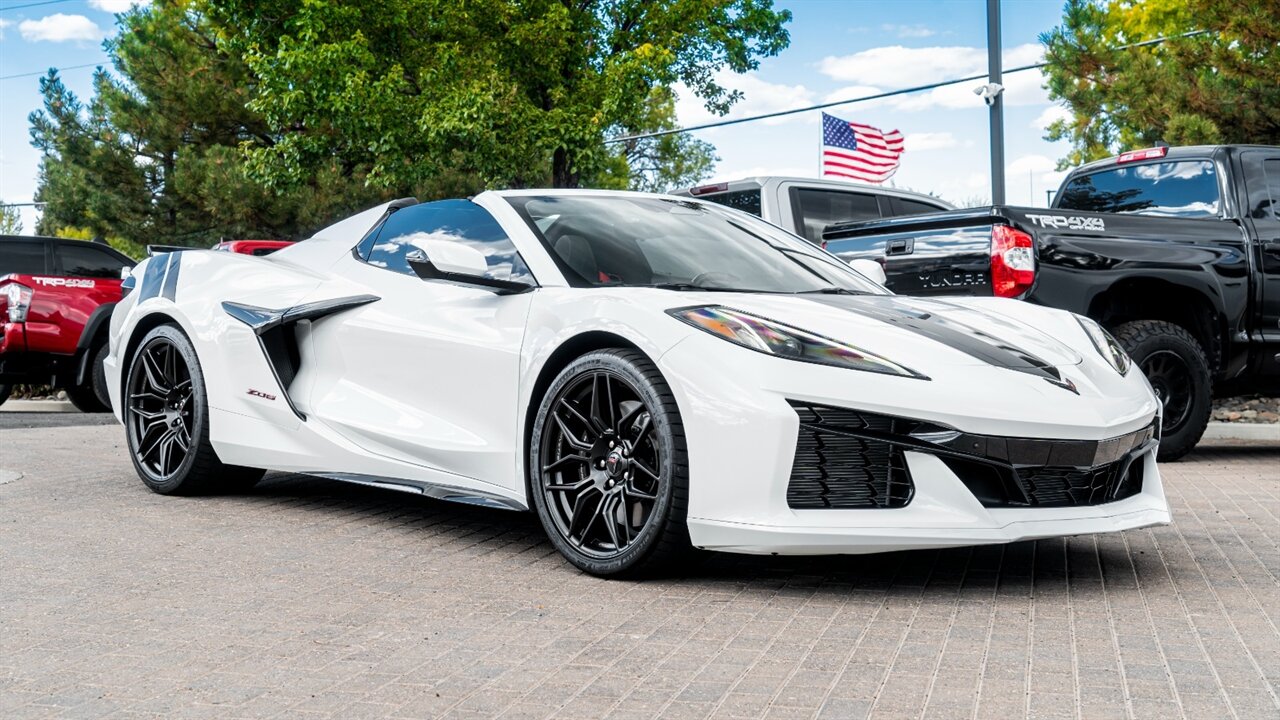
307	598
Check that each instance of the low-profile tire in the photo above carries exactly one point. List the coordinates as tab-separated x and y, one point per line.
1178	370
166	418
4	392
608	466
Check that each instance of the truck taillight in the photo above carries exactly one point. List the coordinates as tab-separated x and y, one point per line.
1136	155
18	301
708	189
1013	262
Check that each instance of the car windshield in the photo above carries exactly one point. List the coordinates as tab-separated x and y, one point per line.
636	241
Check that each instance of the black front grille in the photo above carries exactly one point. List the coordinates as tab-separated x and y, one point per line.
840	464
1073	487
849	459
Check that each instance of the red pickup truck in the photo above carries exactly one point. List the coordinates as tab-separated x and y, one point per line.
56	298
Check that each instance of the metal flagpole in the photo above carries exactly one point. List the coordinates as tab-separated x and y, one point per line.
995	99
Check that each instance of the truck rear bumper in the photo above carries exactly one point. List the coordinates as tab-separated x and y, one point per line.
24	368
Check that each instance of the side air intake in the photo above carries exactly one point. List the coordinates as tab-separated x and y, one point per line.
275	330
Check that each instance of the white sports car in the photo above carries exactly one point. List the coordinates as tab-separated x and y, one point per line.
647	373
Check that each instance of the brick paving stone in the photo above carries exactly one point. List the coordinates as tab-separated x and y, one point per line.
310	599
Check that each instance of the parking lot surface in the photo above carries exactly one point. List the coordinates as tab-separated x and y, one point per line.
306	598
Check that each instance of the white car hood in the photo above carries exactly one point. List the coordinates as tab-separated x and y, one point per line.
924	332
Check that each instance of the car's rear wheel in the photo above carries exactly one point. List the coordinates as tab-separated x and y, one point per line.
608	465
1178	371
166	416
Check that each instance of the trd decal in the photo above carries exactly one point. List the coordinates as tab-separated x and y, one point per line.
64	282
259	393
1070	222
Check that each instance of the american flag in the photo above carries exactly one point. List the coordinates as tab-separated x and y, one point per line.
857	151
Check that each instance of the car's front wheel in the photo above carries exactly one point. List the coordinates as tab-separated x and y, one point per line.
166	417
608	465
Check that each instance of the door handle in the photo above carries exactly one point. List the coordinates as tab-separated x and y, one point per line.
903	246
1271	248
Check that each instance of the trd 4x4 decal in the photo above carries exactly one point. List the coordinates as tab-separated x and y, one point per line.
63	282
1070	222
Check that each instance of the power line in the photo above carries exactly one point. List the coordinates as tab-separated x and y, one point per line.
891	93
42	72
34	4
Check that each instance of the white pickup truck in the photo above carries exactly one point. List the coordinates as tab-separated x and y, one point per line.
806	206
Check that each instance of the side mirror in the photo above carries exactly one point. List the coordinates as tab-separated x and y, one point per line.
453	257
126	271
453	262
871	269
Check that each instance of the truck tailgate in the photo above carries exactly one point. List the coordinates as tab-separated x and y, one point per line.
936	254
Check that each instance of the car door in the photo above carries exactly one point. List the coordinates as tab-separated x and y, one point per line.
428	374
1263	180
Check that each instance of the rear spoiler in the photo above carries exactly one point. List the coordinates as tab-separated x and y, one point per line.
153	250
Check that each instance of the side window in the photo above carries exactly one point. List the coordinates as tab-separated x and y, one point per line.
816	209
1268	206
902	206
24	258
85	260
744	200
417	227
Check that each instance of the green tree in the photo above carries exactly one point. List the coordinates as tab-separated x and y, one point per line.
512	92
10	220
1220	86
156	155
657	164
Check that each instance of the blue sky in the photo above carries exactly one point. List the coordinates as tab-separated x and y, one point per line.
839	49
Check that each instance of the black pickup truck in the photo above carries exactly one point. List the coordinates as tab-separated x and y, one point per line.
1175	250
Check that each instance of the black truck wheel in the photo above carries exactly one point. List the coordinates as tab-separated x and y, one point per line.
1175	364
4	392
91	395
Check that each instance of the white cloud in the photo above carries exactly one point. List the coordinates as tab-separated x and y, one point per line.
60	28
922	141
116	6
4	24
1050	114
908	31
895	66
1027	178
758	97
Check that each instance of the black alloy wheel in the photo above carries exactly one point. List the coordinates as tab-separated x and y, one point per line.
1178	370
1170	378
608	464
161	412
166	419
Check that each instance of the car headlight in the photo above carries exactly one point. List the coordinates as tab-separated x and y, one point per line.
1106	345
774	338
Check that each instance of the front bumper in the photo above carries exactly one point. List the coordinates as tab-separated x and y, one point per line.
741	430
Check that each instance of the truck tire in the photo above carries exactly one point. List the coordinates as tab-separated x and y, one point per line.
91	396
1178	370
4	392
